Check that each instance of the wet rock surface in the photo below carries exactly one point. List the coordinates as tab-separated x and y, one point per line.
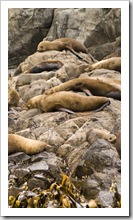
90	165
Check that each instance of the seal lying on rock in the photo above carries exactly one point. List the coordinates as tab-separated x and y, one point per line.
94	134
64	44
13	97
68	100
47	65
113	63
17	143
96	86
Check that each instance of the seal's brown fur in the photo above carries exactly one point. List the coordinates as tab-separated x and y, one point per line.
13	97
17	143
47	65
113	63
94	134
102	87
67	100
62	44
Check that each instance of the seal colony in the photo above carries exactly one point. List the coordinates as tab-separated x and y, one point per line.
60	98
68	100
96	86
17	143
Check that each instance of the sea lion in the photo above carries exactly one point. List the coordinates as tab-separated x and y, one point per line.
67	100
118	143
64	44
94	134
17	143
113	63
97	86
13	97
47	65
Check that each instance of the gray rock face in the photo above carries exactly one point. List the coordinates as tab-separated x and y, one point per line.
96	28
26	28
39	170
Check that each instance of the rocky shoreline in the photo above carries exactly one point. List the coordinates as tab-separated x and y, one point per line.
78	170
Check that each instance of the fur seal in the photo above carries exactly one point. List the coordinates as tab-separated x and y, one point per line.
46	65
94	134
97	86
67	100
17	143
64	44
113	63
13	97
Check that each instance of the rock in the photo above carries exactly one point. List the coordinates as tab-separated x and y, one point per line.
106	49
22	174
97	186
39	166
26	28
105	199
38	183
42	168
52	138
17	157
64	24
34	89
30	78
89	187
99	156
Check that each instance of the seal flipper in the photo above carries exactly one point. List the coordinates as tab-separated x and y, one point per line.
87	91
82	88
102	107
114	95
65	110
75	53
